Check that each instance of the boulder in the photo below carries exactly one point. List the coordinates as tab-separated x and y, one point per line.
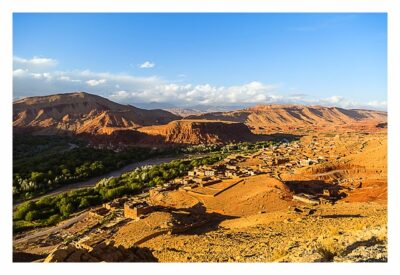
102	252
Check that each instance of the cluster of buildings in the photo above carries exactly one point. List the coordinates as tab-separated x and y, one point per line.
125	207
209	174
284	157
289	156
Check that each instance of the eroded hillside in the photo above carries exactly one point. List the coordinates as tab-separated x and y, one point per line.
103	121
200	132
78	113
290	118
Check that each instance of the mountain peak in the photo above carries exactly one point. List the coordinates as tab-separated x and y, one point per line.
81	112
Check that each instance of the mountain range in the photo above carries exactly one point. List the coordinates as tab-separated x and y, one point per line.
101	120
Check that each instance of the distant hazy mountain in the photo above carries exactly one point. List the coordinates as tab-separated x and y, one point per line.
154	105
201	109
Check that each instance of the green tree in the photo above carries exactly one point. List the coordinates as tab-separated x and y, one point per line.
53	219
23	209
84	203
32	215
65	172
37	177
66	209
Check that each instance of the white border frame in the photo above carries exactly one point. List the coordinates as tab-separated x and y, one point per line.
7	7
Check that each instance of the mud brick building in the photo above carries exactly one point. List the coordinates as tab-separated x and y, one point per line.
136	210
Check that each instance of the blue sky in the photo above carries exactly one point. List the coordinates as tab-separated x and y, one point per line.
214	59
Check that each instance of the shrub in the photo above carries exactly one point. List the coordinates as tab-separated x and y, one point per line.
23	209
66	209
32	215
19	226
84	203
53	219
44	201
328	249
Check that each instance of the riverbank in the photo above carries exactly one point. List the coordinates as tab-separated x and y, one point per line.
92	181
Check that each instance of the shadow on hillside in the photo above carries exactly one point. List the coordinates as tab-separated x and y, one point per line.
24	257
365	243
129	136
311	187
194	220
138	138
125	136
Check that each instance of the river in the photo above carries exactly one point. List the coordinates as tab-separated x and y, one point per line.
92	181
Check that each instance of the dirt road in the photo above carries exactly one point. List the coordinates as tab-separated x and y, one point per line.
53	229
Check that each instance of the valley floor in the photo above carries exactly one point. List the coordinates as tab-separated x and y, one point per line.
253	218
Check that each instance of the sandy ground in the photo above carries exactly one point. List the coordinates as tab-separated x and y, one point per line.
268	237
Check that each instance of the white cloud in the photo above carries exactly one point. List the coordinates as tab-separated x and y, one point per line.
94	82
130	89
37	75
377	104
187	94
40	81
19	72
35	63
337	101
334	99
147	65
121	95
67	78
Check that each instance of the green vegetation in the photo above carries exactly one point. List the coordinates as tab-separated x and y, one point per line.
229	148
26	146
39	171
45	163
50	209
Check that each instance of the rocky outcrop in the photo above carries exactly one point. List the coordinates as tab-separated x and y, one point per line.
366	245
368	251
200	132
102	252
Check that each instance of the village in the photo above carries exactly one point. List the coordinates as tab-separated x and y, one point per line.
272	161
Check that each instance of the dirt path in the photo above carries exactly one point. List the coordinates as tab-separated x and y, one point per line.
329	173
53	229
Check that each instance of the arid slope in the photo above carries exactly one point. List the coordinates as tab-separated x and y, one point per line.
104	121
79	113
266	118
200	132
